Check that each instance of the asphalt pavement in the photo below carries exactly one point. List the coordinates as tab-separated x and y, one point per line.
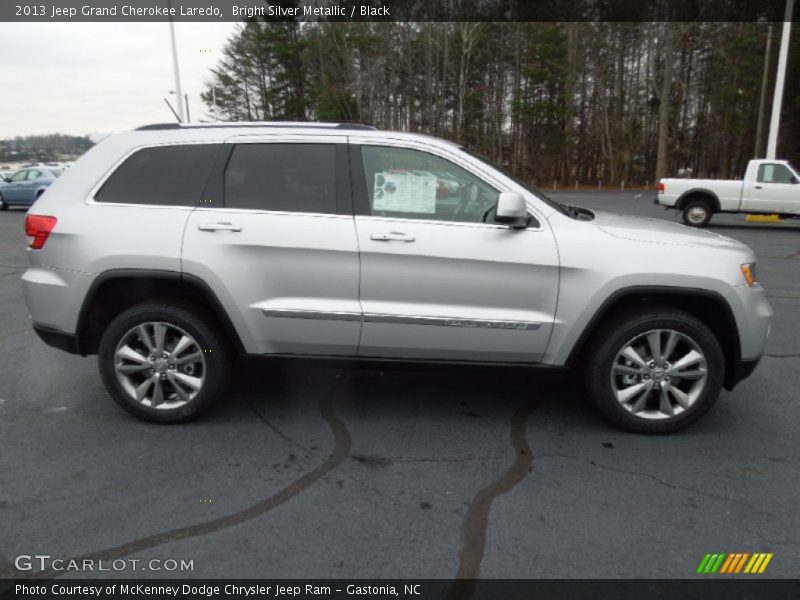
330	471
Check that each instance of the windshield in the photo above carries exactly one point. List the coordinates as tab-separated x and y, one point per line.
536	192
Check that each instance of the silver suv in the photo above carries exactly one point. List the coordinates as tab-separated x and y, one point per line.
168	250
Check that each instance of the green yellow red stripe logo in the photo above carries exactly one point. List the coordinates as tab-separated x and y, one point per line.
736	562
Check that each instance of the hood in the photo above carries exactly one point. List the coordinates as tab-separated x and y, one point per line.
657	231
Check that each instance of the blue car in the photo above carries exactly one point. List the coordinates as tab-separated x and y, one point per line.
25	186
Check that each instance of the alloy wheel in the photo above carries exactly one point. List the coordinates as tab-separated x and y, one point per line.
160	365
659	374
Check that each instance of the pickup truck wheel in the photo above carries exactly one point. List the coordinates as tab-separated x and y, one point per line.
655	370
697	213
163	362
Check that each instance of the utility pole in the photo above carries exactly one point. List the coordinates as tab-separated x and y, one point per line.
777	100
176	71
762	101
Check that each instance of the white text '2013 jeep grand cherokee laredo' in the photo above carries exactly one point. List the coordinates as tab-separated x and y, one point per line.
171	248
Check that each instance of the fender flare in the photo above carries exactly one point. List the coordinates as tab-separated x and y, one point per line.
732	353
715	204
208	296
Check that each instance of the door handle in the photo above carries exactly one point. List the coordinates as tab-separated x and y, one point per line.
392	236
758	187
225	226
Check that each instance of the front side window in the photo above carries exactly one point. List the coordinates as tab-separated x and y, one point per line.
163	175
412	184
774	173
20	176
282	177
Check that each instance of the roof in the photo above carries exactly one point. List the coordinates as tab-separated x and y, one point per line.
236	130
227	124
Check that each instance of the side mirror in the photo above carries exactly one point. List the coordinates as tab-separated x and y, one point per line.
512	211
7	179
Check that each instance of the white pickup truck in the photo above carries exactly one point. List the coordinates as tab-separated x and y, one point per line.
769	187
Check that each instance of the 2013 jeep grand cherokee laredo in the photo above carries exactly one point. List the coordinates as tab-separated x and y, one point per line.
169	249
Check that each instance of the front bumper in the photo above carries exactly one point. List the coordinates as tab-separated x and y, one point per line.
57	339
741	369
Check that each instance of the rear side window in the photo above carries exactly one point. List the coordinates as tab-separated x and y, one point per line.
164	175
282	177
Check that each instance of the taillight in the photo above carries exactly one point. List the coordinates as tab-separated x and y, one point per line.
38	228
661	187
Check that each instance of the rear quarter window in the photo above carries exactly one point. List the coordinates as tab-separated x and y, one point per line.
163	175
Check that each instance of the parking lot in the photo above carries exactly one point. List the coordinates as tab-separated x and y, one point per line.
321	470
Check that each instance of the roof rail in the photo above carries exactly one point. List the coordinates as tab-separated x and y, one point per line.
223	124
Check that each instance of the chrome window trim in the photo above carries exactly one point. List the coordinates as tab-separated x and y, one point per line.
258	211
466	162
450	223
288	313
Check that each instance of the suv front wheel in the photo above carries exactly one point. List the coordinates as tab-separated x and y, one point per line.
655	370
163	362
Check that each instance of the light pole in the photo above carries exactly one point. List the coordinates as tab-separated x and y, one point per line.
762	100
176	71
777	99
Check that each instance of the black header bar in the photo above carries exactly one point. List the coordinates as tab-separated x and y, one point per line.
391	10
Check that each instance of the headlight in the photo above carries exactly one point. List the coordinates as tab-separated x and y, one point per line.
749	273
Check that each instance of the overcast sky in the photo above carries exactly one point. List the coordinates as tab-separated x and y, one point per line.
84	78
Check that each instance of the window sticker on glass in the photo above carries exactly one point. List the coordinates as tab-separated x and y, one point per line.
405	192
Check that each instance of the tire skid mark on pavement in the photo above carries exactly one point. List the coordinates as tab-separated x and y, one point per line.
341	450
477	520
279	432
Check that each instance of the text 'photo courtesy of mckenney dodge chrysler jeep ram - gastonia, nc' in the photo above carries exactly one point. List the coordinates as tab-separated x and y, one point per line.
169	250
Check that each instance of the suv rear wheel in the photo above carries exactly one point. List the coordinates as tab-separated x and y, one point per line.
163	362
655	370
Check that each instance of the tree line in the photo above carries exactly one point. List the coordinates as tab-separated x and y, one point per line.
566	102
43	148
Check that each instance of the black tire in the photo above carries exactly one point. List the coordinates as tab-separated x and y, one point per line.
697	213
3	205
617	334
214	369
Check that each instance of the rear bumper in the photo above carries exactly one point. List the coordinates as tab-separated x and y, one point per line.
741	369
54	296
57	339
